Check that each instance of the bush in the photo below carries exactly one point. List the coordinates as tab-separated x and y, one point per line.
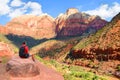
118	67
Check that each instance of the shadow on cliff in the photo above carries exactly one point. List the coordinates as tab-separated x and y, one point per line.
31	42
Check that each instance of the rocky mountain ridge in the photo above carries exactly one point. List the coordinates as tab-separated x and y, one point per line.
72	23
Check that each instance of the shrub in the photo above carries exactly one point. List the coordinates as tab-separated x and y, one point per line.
118	67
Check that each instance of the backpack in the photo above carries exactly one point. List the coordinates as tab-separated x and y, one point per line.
21	51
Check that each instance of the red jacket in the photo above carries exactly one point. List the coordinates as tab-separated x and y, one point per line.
26	49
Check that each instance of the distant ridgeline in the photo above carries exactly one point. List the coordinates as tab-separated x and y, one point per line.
72	23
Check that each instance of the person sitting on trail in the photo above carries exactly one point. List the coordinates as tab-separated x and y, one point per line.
23	51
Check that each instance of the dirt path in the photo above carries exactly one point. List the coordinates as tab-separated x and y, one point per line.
3	73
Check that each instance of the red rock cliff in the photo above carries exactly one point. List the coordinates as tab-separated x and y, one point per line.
74	23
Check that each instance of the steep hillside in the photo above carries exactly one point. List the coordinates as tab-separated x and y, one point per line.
99	52
49	48
74	23
105	44
7	48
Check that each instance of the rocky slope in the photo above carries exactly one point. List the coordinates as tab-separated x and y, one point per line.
104	45
74	23
5	50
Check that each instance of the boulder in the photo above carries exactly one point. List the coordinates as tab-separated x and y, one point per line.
19	67
26	69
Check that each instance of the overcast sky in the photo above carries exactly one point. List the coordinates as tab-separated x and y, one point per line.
9	9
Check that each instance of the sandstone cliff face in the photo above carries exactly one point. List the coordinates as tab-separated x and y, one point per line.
35	26
74	23
5	50
104	45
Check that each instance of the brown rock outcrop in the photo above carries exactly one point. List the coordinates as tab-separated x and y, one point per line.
74	23
97	53
18	67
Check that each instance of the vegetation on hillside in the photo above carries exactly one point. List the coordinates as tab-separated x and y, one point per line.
71	72
94	38
49	48
10	43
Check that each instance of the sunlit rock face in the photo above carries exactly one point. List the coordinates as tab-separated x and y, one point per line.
74	23
71	11
3	29
42	26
